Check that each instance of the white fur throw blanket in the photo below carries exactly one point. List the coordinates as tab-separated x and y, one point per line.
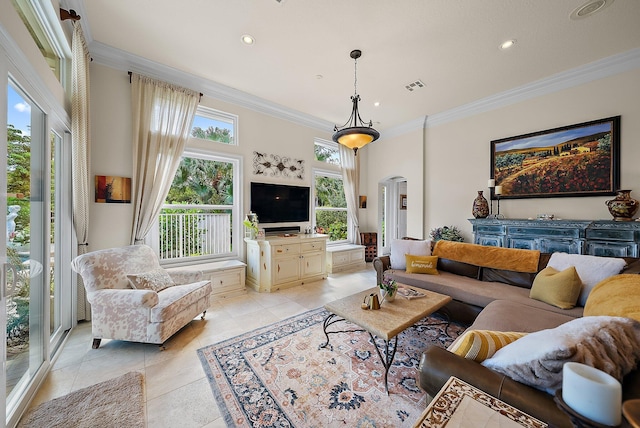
611	344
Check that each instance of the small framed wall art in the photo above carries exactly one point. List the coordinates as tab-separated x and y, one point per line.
113	190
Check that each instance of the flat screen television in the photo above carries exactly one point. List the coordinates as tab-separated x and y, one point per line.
279	203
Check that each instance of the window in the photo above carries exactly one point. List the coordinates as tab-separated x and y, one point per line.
200	219
214	125
330	205
43	23
326	151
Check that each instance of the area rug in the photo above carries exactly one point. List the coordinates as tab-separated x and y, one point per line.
114	403
278	376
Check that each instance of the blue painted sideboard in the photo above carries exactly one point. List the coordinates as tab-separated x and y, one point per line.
594	237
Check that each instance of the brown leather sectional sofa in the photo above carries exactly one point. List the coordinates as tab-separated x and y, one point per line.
498	300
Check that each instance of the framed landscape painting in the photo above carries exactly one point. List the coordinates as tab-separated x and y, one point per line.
574	160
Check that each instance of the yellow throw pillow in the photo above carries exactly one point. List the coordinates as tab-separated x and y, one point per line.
557	288
422	264
478	345
616	296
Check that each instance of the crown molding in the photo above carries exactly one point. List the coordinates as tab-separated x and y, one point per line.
596	70
125	61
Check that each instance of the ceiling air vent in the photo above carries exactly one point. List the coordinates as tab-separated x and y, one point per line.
414	85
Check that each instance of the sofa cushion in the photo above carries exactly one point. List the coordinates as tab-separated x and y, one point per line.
459	268
402	247
478	345
592	269
618	295
557	288
422	264
472	291
507	315
486	256
155	279
537	358
174	300
518	279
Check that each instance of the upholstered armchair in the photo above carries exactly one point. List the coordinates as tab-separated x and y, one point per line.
132	298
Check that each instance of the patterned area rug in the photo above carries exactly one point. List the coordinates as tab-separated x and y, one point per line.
278	376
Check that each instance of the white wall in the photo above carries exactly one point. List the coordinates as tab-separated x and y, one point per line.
457	154
398	157
110	224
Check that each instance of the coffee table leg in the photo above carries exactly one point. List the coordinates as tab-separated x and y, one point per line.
387	360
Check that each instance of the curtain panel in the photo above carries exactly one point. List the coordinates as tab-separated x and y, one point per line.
80	145
162	118
351	181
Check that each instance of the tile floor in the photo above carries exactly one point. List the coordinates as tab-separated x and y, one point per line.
177	391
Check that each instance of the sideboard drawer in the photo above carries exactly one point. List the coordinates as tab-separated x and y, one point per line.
612	249
544	231
610	234
282	250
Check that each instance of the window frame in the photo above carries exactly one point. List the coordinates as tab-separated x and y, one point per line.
327	144
237	247
220	116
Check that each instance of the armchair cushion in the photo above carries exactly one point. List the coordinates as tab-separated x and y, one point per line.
155	279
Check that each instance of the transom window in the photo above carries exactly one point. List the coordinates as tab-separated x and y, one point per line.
199	220
326	151
215	125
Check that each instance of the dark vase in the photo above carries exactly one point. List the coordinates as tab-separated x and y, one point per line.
480	206
623	207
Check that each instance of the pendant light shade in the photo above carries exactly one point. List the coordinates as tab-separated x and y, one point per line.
355	134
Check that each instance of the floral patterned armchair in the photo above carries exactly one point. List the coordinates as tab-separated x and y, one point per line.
132	298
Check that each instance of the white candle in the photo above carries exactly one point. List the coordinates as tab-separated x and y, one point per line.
491	183
498	190
592	393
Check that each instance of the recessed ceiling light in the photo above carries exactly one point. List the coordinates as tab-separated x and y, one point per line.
248	40
507	44
589	8
376	104
319	76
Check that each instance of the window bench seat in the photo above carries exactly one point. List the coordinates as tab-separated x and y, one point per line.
344	256
227	277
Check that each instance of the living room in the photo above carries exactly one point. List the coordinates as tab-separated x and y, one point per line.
442	153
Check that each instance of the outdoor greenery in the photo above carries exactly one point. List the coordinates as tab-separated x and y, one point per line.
329	193
19	181
220	135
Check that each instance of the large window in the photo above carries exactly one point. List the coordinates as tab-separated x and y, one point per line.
214	125
199	220
330	208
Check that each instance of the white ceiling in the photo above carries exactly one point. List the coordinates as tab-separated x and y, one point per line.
450	45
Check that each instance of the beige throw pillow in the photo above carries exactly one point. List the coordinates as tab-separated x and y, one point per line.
557	288
156	279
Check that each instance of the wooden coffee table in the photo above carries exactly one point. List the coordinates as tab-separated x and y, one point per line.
387	322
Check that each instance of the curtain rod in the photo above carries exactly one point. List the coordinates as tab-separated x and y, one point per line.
68	14
131	72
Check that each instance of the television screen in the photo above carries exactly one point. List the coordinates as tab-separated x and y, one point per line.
278	203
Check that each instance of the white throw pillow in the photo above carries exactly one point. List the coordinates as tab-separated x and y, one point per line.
402	247
156	279
610	344
591	269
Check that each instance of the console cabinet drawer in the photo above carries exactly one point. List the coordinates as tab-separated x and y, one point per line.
283	250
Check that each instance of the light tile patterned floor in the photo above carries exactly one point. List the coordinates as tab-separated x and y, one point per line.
177	390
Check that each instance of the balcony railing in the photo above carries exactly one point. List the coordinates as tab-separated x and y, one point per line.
194	230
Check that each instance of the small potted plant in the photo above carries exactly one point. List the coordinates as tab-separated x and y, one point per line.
388	288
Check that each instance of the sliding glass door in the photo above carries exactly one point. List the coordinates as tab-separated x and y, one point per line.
27	245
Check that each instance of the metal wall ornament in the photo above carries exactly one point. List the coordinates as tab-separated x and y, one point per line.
271	165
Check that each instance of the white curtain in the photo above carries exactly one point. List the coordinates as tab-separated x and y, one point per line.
162	117
80	134
351	181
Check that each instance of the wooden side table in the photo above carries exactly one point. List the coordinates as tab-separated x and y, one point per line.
465	406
